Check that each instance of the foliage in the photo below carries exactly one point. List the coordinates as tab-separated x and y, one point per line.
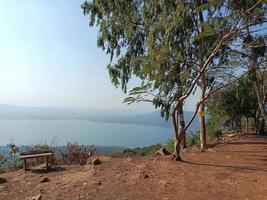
169	45
78	154
170	145
38	148
228	106
141	151
193	139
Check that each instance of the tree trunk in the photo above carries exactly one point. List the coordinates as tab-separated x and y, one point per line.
261	126
260	101
246	125
181	124
177	138
201	110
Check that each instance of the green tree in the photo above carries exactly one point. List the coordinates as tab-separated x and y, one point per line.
229	105
158	41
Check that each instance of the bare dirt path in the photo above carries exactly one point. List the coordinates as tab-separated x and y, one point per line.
237	170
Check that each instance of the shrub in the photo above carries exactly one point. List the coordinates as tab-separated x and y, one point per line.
38	148
170	145
193	139
214	126
78	154
217	134
13	155
144	151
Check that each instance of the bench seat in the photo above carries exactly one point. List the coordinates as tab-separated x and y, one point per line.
39	155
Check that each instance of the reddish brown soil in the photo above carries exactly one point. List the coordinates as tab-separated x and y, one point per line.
234	171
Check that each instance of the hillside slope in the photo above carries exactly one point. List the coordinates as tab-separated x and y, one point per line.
234	171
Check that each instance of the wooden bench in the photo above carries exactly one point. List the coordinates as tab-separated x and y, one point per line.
24	158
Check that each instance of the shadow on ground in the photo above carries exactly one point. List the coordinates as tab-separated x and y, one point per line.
49	170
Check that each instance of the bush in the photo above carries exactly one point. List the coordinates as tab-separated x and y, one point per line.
214	126
144	151
78	154
36	149
170	145
217	134
193	139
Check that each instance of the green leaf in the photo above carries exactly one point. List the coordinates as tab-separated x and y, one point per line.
148	68
203	7
129	100
207	31
207	5
155	77
143	58
139	90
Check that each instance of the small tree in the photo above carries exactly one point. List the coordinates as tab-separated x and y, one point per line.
13	151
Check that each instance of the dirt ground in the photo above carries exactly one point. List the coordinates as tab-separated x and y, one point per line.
237	170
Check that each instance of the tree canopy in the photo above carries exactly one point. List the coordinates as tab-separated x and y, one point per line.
170	45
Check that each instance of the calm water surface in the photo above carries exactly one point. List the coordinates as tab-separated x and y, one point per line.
84	132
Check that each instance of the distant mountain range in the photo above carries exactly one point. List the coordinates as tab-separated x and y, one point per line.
96	115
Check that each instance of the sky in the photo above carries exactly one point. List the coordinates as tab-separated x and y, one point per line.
49	57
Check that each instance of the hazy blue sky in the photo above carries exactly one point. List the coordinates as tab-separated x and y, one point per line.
49	57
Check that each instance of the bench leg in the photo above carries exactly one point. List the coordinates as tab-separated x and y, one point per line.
46	163
24	163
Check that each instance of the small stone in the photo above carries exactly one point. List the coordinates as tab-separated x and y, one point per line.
129	159
97	183
38	197
162	152
2	180
44	180
96	161
146	176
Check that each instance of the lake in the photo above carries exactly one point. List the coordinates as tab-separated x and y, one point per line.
60	132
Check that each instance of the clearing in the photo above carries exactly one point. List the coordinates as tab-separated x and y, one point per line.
237	170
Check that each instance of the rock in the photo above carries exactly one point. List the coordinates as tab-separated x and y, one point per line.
97	183
2	180
146	176
162	152
44	180
38	197
96	161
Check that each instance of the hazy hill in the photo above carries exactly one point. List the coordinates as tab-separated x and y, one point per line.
91	114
